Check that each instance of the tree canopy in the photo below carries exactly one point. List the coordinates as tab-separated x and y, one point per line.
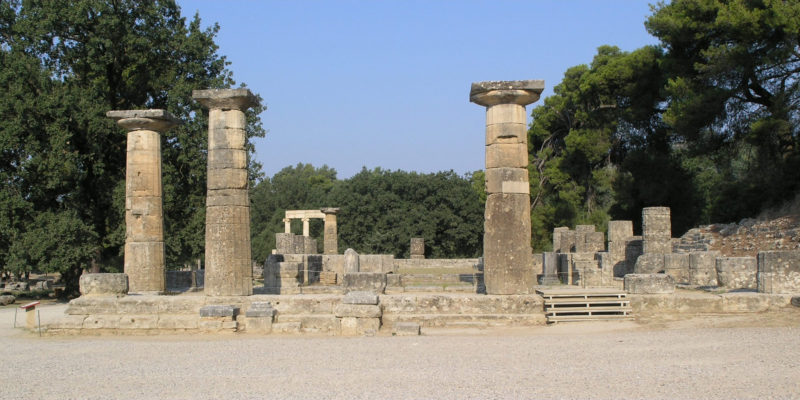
63	64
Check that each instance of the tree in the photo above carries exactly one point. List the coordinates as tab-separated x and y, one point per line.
62	162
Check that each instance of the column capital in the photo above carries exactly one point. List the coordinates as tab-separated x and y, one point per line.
305	219
225	99
151	120
287	220
491	93
329	210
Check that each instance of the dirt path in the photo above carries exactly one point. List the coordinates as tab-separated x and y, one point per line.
711	357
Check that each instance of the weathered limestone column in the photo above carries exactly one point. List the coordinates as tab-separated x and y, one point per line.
331	232
508	267
287	225
228	263
144	217
656	230
306	229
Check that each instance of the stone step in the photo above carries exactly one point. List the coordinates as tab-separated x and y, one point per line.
413	279
465	320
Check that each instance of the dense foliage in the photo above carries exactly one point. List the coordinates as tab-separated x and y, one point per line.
63	64
705	123
380	211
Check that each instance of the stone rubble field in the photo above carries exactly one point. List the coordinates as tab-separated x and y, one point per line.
714	357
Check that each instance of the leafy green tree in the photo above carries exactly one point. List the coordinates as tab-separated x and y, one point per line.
63	64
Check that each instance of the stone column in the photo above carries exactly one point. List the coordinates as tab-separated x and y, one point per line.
144	218
417	248
656	230
331	232
228	270
306	230
508	267
287	225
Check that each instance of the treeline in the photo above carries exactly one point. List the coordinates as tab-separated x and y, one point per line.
706	122
380	211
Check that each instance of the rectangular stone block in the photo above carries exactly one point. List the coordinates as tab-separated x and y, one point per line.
633	249
779	272
284	243
360	297
226	138
144	228
737	272
617	250
299	244
227	197
557	238
405	329
143	140
507	132
357	310
619	231
228	178
568	241
676	265
333	263
261	325
327	278
376	263
649	284
656	230
143	179
260	310
309	245
364	281
145	266
506	245
502	155
507	180
649	264
227	158
213	311
505	113
351	326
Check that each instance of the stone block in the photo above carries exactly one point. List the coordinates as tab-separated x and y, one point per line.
633	249
405	329
104	285
351	261
584	228
620	231
649	264
138	322
656	230
286	327
676	265
7	299
557	238
357	310
506	132
178	322
702	268
364	281
376	263
737	272
261	325
506	245
360	297
568	241
779	272
417	248
506	155
309	245
505	113
393	280
351	326
284	243
260	310
227	197
299	244
327	278
649	284
227	179
227	158
507	180
219	311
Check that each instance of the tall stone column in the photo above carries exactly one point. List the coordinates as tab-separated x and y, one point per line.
228	263
144	217
287	225
331	232
508	266
656	230
306	230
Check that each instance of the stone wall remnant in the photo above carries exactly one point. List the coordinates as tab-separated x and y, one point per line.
104	284
656	230
649	284
779	272
702	268
506	245
737	272
144	217
228	269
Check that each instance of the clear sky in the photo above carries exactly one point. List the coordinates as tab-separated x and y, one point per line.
386	83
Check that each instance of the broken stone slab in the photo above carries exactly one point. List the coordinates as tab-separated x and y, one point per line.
364	281
405	329
357	310
360	297
219	311
104	284
7	299
649	284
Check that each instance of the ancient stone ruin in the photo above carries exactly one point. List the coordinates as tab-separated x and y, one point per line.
587	275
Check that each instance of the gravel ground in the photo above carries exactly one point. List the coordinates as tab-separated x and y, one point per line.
710	357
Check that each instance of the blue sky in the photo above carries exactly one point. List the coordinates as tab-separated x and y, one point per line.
386	83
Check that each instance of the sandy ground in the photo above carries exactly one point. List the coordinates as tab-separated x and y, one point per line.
736	357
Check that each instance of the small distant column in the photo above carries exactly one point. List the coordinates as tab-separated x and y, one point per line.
656	230
287	225
508	267
228	261
144	216
417	248
331	232
306	229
